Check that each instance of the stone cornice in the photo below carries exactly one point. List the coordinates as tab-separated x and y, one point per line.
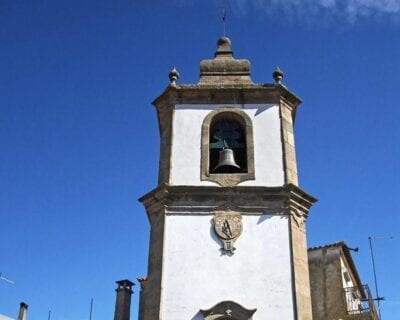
288	199
227	93
299	202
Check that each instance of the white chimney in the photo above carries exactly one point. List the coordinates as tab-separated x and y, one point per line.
23	309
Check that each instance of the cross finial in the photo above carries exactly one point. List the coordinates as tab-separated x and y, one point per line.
223	12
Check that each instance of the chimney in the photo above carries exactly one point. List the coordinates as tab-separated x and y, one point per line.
23	309
142	281
123	302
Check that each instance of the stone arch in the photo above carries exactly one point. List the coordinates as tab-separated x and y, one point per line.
235	117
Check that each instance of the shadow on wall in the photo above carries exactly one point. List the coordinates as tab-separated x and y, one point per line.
264	217
198	316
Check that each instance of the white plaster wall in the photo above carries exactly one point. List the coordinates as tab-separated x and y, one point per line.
186	146
353	303
346	284
197	276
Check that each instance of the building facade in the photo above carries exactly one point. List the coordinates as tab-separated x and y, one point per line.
336	289
228	236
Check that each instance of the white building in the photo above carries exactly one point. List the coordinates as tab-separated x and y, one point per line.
336	288
228	238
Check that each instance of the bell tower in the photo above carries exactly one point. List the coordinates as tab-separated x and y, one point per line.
228	236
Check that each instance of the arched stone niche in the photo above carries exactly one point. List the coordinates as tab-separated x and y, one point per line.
227	179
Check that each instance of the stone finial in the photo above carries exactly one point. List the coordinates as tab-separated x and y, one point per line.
278	75
224	69
224	48
173	76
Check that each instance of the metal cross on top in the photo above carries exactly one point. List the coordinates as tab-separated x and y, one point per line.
223	11
224	21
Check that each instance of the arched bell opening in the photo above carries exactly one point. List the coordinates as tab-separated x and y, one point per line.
227	148
227	144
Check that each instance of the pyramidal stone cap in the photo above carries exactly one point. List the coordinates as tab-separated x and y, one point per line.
224	68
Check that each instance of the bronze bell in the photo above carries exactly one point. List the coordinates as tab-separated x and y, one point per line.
226	161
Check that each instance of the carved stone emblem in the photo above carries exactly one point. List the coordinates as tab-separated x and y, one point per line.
228	227
228	310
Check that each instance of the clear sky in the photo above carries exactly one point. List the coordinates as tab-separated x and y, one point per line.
79	137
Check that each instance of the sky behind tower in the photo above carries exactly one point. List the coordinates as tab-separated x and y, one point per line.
80	138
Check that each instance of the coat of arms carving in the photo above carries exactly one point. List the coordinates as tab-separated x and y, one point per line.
228	227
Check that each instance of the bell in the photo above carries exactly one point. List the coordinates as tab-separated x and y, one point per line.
226	162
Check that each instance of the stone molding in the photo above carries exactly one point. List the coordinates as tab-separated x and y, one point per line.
205	200
221	94
229	179
298	213
228	310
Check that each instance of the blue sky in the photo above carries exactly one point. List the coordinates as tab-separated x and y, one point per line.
80	138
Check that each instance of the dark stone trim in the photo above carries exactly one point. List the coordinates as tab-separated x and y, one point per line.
150	295
165	120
